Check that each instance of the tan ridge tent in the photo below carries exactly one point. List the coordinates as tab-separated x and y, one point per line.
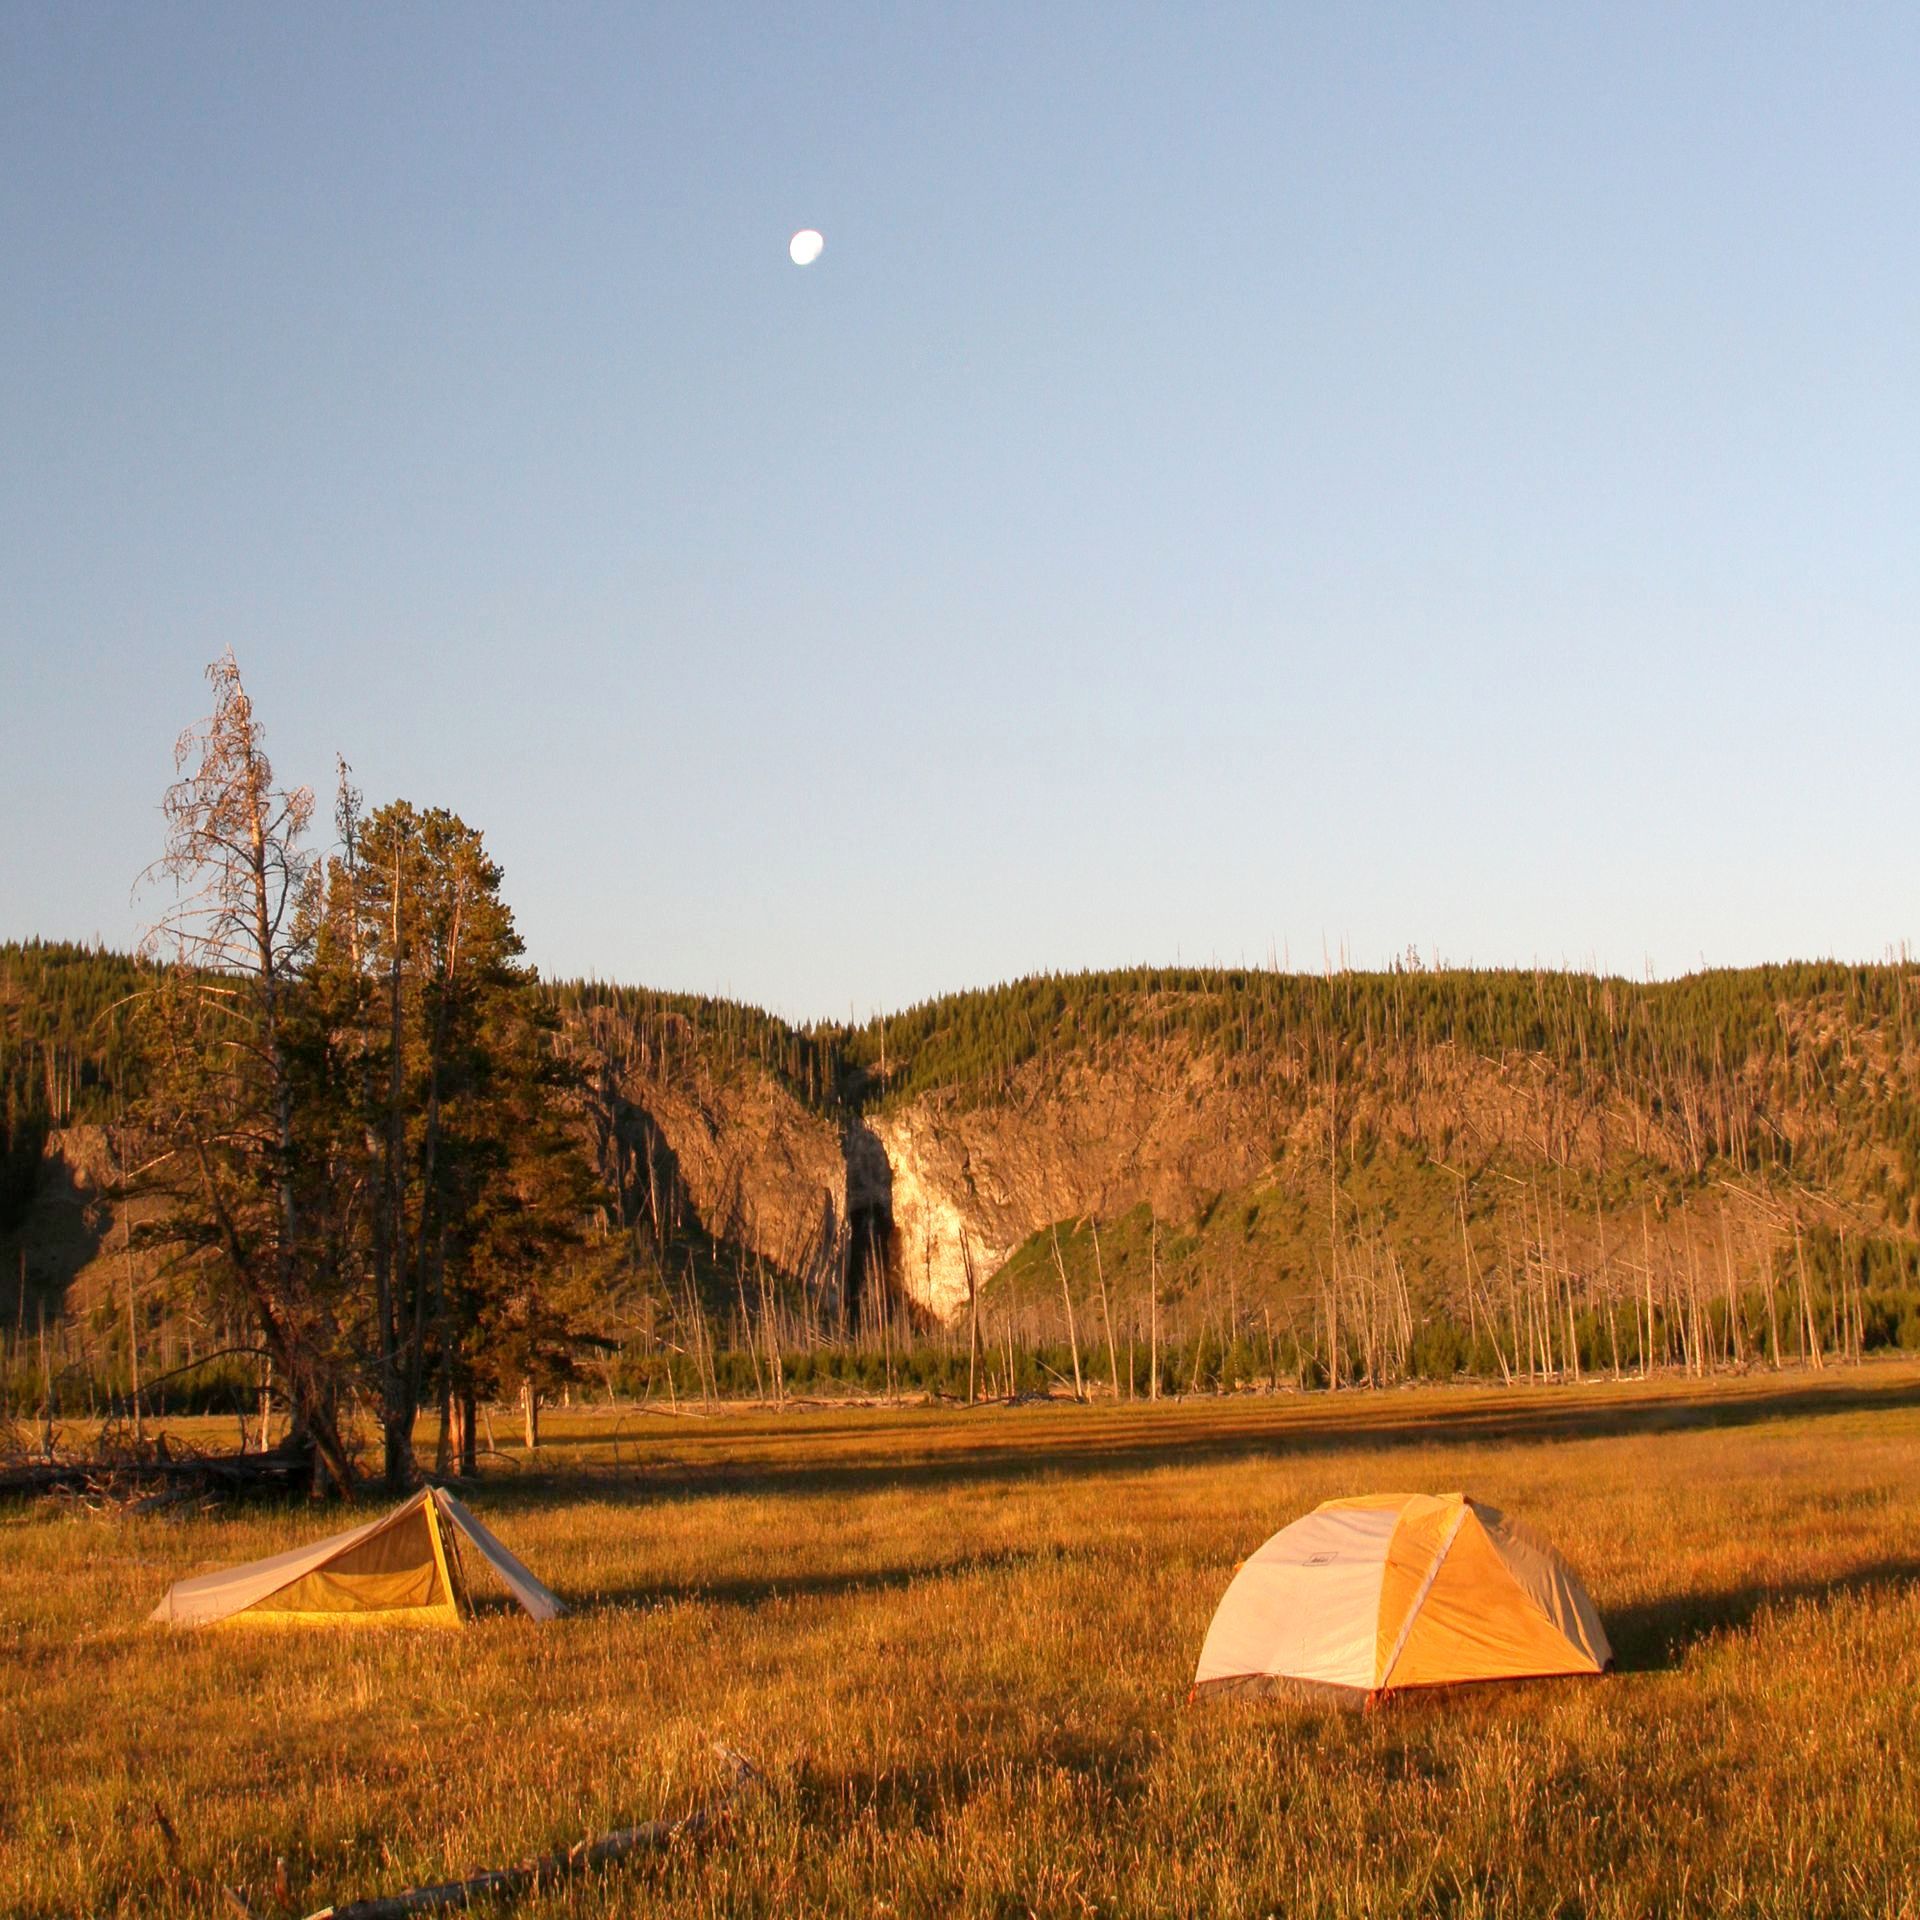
401	1569
1395	1590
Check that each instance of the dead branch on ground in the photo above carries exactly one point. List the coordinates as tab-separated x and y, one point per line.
531	1876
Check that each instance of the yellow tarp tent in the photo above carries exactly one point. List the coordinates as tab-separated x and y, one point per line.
1396	1590
402	1568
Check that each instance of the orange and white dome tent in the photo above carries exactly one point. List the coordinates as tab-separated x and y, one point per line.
1394	1590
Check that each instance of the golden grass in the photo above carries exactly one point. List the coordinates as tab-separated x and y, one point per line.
959	1644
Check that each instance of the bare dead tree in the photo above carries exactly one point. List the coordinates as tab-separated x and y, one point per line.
235	937
1153	1303
973	1321
1073	1334
1106	1314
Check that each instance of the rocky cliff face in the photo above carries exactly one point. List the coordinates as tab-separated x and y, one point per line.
738	1155
928	1187
1174	1129
933	1186
970	1183
70	1246
1049	1106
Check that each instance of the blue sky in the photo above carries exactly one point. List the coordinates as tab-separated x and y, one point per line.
1240	481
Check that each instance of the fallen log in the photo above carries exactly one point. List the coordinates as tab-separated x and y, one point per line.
530	1876
120	1480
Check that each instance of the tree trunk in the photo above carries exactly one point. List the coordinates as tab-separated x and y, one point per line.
973	1320
1106	1315
1153	1306
313	1413
1073	1334
396	1438
443	1447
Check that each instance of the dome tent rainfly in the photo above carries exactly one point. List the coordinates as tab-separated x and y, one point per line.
1368	1596
403	1568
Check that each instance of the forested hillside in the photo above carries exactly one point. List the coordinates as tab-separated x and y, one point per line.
1731	1062
1808	1068
65	1057
1373	1174
1406	1171
1728	1061
1721	1056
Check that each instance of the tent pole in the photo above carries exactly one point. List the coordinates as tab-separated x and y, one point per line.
434	1520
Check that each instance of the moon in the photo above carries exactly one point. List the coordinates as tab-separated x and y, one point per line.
805	247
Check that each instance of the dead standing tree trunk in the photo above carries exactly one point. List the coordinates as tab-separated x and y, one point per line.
973	1321
1153	1305
1106	1314
1073	1334
234	854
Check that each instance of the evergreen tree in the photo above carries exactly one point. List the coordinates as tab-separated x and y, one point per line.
456	1173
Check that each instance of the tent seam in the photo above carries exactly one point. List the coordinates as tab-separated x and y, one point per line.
1420	1598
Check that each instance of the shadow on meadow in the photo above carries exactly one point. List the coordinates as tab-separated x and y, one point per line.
1657	1636
749	1594
805	1458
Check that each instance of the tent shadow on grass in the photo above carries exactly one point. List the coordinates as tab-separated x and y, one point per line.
1657	1636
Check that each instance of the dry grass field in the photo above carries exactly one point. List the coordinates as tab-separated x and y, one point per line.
958	1645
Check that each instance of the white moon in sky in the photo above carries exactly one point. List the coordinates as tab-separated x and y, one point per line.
805	247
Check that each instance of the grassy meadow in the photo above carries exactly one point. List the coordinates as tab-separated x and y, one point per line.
957	1643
